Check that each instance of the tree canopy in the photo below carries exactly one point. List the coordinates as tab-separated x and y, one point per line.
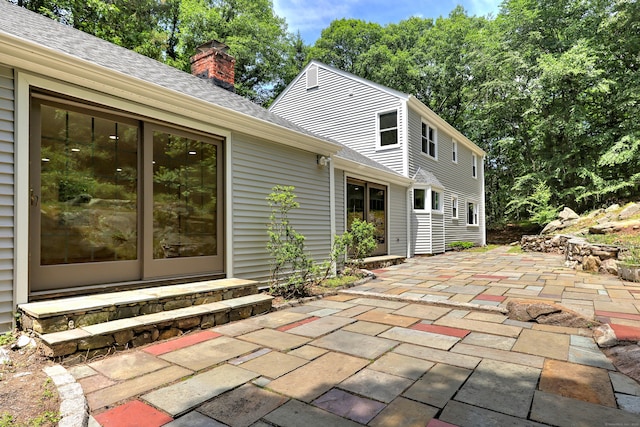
550	89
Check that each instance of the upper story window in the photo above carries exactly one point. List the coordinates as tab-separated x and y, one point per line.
312	77
388	128
474	165
429	140
419	199
454	152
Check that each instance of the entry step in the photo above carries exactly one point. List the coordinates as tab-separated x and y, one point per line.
64	314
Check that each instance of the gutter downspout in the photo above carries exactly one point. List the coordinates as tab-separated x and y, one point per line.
332	203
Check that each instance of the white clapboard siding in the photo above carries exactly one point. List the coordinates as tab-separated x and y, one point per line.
344	109
6	197
456	178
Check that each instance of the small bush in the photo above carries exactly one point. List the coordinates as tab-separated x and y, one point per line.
462	245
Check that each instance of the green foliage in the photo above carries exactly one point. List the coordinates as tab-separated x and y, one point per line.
462	245
359	241
536	204
291	267
7	338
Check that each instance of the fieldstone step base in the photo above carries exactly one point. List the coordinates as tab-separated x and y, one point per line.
94	340
376	262
64	314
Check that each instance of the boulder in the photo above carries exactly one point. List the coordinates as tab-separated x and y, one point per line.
612	208
567	214
605	336
609	266
630	210
551	227
591	263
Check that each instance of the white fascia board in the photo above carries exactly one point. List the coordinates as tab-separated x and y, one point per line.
370	172
440	123
35	58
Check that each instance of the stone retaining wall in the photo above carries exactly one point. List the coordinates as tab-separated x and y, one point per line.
579	253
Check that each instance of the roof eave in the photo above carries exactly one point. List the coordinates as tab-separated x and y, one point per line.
371	172
32	57
439	122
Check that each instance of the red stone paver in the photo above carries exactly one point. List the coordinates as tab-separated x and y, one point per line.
626	333
485	297
618	315
293	325
183	342
443	330
133	414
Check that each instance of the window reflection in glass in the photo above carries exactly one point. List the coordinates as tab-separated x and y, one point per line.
184	197
88	188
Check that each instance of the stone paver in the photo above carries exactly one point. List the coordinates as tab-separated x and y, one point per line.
318	376
275	339
181	397
347	405
461	414
581	382
406	413
294	413
133	413
243	406
400	365
274	364
321	326
502	387
355	344
376	385
194	419
555	346
128	365
369	356
428	339
566	412
438	385
209	353
127	389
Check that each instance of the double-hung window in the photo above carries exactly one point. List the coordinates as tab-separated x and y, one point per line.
472	213
474	165
429	140
454	152
454	207
436	201
388	129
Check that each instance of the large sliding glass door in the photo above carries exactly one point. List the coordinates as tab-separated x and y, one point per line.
108	206
368	201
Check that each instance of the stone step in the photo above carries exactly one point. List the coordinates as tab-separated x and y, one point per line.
383	261
63	314
93	340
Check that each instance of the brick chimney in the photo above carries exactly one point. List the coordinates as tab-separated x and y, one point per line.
212	62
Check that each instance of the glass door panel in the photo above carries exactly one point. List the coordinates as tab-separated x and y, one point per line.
84	202
355	202
377	216
186	219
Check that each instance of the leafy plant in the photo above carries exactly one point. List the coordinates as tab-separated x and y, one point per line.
7	338
537	204
359	241
291	267
462	245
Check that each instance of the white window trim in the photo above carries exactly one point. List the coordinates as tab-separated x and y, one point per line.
440	210
435	140
454	152
456	199
476	213
474	165
379	146
427	198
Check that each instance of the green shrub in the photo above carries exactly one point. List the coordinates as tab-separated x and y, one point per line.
462	245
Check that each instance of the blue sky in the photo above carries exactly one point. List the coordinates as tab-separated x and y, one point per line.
311	17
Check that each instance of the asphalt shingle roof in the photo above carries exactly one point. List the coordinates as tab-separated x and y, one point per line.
425	177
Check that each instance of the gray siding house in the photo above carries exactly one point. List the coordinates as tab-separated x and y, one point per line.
117	170
444	202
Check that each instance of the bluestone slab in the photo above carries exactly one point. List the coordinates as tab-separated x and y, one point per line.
209	353
376	385
355	344
428	339
438	385
461	414
294	414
